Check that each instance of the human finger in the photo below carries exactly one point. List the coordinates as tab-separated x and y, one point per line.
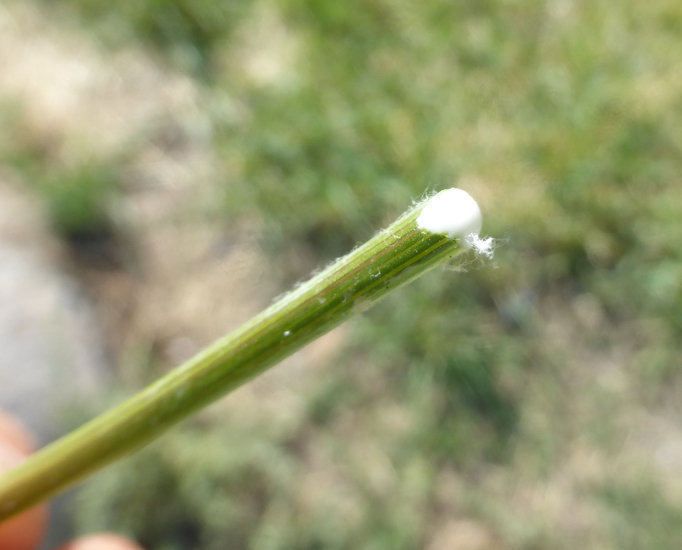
26	530
101	541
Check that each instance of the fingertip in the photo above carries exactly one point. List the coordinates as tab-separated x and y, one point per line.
14	434
101	541
26	530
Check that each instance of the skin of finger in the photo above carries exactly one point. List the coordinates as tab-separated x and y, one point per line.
15	435
25	531
102	541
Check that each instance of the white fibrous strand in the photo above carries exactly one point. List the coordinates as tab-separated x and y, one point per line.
482	246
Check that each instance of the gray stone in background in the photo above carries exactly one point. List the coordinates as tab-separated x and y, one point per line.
51	356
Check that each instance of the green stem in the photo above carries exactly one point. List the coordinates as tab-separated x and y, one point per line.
389	260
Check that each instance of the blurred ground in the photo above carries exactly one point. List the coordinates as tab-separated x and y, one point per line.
195	160
52	353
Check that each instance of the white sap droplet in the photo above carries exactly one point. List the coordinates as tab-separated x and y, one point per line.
286	333
452	212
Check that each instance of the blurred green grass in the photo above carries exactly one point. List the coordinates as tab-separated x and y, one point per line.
565	120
